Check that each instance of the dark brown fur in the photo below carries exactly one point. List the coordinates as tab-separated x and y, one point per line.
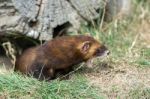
59	53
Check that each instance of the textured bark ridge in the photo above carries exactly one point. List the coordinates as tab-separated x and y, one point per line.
38	18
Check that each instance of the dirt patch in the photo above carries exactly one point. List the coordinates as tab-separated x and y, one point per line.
120	80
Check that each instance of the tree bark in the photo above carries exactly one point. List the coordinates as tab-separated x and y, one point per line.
39	18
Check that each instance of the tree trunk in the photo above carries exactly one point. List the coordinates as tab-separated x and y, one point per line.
39	18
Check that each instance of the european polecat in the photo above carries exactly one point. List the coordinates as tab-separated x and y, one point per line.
60	53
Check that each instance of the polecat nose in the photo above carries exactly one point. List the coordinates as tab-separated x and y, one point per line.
107	52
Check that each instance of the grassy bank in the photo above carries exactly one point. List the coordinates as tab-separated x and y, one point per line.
15	86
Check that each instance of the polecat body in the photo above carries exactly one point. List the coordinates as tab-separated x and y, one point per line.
60	53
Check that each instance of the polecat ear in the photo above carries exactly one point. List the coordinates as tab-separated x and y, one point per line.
85	46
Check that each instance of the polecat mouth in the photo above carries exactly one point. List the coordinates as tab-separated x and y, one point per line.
102	51
90	62
102	54
105	53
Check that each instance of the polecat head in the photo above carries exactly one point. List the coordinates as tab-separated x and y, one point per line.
90	47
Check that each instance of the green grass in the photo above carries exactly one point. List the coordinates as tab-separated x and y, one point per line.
14	86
